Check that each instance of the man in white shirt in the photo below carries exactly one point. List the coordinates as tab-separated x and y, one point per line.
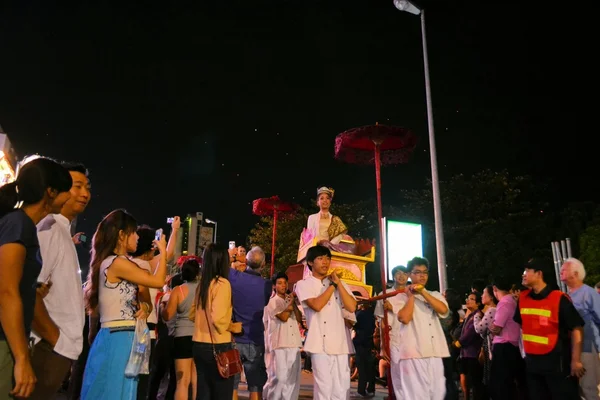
282	343
59	317
400	274
324	299
418	346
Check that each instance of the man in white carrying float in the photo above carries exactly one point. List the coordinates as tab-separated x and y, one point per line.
325	298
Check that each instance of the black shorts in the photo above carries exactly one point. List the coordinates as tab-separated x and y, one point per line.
182	347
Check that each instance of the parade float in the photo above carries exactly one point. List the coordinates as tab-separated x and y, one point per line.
367	145
350	267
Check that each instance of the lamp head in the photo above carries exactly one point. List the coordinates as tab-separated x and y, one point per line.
405	5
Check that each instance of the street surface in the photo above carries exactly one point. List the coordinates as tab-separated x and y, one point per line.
306	389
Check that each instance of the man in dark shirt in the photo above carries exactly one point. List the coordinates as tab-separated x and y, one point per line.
553	374
363	345
251	293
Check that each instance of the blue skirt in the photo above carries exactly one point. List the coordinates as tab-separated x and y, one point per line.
104	376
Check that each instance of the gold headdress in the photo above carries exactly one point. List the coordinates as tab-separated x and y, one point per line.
325	189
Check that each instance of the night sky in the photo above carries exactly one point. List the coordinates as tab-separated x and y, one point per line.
184	108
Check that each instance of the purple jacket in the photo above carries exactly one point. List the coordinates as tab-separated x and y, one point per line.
470	341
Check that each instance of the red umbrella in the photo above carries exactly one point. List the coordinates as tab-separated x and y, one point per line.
272	206
375	144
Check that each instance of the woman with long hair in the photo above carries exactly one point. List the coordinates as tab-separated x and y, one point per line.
112	294
213	326
469	344
42	187
483	321
179	306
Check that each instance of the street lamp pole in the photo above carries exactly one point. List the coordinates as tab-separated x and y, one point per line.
404	5
435	184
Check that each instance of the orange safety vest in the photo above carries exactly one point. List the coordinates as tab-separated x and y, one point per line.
539	322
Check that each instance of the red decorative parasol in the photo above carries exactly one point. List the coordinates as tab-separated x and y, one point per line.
375	144
183	259
272	206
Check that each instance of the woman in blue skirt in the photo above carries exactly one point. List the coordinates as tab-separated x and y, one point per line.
111	294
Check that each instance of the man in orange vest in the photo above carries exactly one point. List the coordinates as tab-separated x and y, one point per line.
552	336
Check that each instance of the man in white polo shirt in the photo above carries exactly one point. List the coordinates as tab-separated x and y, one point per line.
325	298
282	343
59	317
416	359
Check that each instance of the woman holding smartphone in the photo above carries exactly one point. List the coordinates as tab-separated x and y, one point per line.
112	294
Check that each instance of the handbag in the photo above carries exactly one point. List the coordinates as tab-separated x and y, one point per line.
228	361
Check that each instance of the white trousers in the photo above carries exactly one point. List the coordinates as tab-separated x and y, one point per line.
590	381
419	379
331	375
283	370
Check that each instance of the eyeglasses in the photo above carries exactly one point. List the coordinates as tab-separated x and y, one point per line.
420	272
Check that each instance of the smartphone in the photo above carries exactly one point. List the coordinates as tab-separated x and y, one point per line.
170	220
158	235
83	238
231	245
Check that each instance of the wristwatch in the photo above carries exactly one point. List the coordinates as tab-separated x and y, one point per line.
334	285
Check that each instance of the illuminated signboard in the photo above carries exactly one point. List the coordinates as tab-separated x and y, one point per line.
404	241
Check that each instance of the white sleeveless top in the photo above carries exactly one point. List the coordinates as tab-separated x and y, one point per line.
116	301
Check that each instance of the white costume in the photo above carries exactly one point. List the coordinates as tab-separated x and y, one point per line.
282	353
417	349
319	227
350	316
327	340
392	320
378	312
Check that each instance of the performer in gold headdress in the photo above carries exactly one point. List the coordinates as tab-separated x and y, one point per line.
328	229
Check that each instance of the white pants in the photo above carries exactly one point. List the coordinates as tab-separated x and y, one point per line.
419	379
283	369
331	375
590	381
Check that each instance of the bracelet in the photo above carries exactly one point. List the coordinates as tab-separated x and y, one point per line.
146	308
334	285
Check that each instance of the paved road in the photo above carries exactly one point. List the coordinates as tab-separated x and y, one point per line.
306	389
